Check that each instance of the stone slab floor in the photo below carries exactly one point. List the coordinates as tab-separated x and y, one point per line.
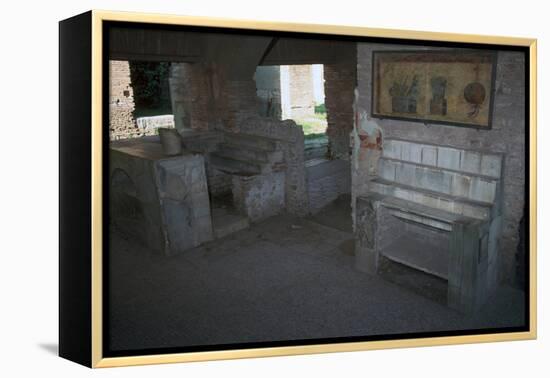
283	279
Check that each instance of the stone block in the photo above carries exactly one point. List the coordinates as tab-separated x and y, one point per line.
491	165
171	192
423	199
411	152
461	185
448	158
470	161
482	190
405	173
429	155
392	149
401	193
259	197
432	179
154	122
478	212
387	169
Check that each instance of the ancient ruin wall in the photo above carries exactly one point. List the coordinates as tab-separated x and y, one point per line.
189	94
121	102
268	90
302	98
291	140
339	96
507	136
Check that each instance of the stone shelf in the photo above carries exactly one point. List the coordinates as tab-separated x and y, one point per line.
417	252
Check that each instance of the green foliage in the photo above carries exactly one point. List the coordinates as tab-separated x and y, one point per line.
314	125
321	109
147	79
315	136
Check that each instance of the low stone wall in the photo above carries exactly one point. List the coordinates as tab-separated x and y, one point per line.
259	197
291	140
150	124
326	181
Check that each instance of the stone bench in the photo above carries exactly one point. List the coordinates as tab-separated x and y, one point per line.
257	169
436	209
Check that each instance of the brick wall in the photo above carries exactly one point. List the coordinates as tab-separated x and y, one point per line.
189	94
339	96
121	102
240	103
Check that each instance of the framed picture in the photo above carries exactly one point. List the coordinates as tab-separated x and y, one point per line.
234	189
447	87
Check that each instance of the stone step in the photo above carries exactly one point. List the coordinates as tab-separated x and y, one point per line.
232	166
247	153
251	141
460	184
451	204
225	222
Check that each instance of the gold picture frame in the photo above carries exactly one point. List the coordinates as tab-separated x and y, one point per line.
80	329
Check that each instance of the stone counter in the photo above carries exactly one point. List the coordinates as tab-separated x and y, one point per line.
161	201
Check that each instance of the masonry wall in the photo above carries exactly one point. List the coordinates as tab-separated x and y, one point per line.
506	136
121	102
326	182
268	90
302	98
291	141
339	96
189	95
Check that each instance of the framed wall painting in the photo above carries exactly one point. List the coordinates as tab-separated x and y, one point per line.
451	87
236	189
